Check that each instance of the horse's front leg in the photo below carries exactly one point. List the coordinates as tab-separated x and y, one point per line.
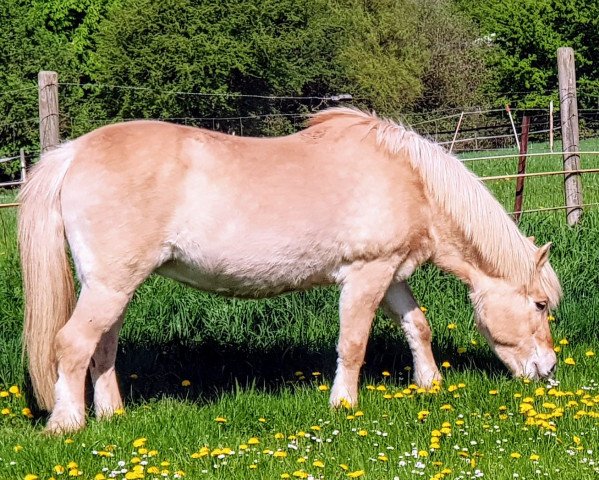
400	305
362	289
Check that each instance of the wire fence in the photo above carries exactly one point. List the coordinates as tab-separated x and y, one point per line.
478	130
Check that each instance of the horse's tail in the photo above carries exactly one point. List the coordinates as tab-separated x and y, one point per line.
47	278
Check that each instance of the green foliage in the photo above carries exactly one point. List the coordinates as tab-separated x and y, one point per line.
392	55
525	36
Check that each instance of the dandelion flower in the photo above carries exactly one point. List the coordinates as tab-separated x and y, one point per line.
534	457
590	353
323	388
570	361
14	390
446	364
356	474
452	326
515	455
253	441
185	383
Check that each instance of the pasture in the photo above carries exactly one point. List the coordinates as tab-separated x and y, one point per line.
224	388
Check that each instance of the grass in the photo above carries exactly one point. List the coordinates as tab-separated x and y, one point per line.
242	360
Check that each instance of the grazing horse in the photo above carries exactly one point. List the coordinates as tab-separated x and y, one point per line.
352	200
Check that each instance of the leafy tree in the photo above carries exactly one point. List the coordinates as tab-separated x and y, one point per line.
526	34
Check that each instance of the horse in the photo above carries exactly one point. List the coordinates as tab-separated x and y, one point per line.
352	200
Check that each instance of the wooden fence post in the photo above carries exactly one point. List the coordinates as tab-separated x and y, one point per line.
521	168
457	129
48	110
569	116
23	165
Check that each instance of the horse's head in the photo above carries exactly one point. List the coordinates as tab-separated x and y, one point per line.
514	318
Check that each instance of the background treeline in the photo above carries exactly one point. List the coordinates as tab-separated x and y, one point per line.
396	56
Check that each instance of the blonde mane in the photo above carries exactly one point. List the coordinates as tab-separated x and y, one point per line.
462	195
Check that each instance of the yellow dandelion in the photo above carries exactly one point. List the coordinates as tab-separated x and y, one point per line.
279	454
356	474
318	464
515	455
323	388
590	353
570	361
423	309
68	441
446	364
344	467
285	475
101	476
119	411
300	474
153	470
564	341
4	394
14	390
362	433
253	441
262	420
59	469
452	326
461	350
534	457
423	453
139	442
31	476
386	374
279	436
493	392
220	420
447	406
5	411
185	383
18	448
383	458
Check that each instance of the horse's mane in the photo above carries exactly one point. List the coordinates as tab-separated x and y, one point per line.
462	195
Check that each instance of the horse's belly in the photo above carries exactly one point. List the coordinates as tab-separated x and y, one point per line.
253	282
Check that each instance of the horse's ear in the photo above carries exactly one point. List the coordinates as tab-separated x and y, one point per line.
532	239
542	255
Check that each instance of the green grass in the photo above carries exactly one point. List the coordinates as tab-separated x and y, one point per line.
241	358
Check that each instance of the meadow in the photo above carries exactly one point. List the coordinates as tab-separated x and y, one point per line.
227	389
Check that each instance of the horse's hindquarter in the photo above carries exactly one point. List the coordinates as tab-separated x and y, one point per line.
246	216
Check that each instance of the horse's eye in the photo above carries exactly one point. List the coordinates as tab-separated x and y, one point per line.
541	306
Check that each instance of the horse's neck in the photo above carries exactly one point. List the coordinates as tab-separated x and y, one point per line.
455	254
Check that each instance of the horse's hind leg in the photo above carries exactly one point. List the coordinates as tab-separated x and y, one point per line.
98	311
362	290
400	305
107	398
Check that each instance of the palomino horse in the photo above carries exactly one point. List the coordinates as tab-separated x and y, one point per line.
352	200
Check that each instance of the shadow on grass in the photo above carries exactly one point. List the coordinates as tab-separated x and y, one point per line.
158	371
